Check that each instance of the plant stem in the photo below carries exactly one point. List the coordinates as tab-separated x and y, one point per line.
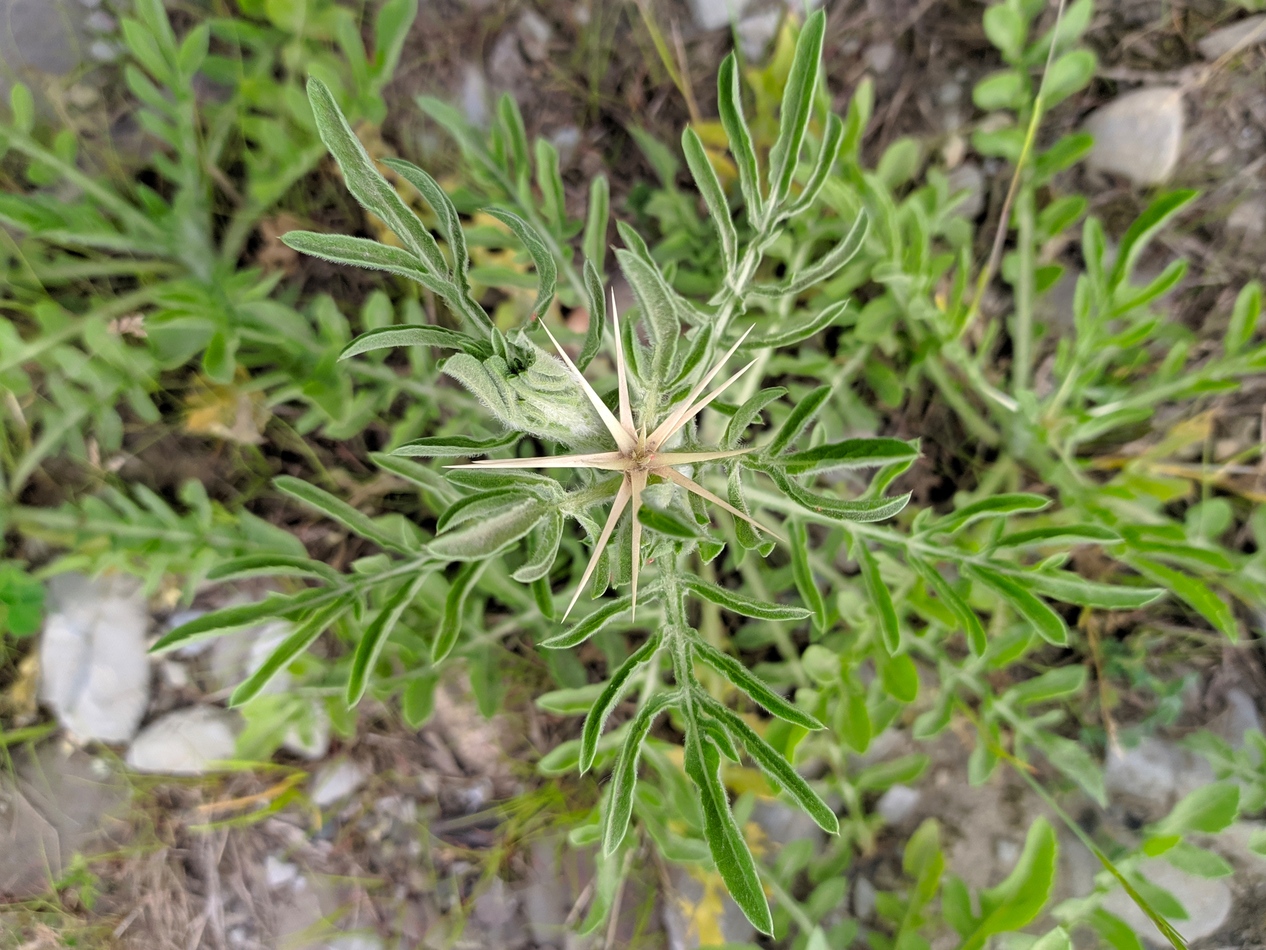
1025	290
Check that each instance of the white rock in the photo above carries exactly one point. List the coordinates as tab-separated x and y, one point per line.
279	873
95	673
756	32
335	781
311	739
1248	218
566	140
1248	31
360	941
1147	771
1207	902
1138	135
881	56
898	804
534	35
474	96
714	14
864	896
1241	717
185	742
969	178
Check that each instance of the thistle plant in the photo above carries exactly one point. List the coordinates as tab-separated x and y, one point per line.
866	618
638	456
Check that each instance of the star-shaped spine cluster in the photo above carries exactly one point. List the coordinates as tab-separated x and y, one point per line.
637	455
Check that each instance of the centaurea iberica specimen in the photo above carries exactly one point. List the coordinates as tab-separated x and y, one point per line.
637	455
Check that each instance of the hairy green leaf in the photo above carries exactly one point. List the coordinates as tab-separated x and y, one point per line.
376	635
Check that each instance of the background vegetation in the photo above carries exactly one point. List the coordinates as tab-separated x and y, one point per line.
986	495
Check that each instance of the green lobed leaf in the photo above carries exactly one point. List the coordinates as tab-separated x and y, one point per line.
1063	534
801	415
1049	625
799	332
385	337
1207	810
972	627
730	853
484	537
730	108
338	510
997	506
454	446
1198	596
597	315
744	679
746	414
880	599
594	242
364	181
797	106
542	257
376	635
863	511
847	454
624	779
362	252
218	622
602	706
543	544
302	637
823	166
1145	227
272	565
1021	896
802	573
775	766
740	603
824	267
709	186
596	621
454	608
1072	589
1053	684
1244	318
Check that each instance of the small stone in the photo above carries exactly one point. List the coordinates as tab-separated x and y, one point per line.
102	51
1147	771
175	674
968	178
566	141
784	824
1007	852
881	56
279	873
897	805
1138	135
506	66
474	96
715	14
101	22
360	941
185	742
95	672
335	781
1207	902
756	32
1241	34
311	739
1241	717
864	898
535	34
1248	218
